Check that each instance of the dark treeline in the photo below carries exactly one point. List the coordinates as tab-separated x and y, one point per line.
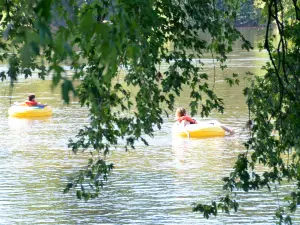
249	15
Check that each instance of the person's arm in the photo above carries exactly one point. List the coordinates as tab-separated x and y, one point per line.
187	118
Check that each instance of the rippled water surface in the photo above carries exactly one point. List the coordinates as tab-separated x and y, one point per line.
150	185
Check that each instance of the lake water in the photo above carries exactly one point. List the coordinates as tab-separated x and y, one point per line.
150	185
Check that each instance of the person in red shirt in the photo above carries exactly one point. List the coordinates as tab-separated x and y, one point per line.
31	100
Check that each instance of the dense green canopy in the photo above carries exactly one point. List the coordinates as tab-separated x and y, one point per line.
98	39
274	107
101	39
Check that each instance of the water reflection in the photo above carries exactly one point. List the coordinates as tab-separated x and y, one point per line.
16	123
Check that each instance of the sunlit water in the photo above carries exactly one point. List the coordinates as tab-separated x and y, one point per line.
150	185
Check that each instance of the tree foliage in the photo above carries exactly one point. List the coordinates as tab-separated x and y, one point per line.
249	14
98	39
274	107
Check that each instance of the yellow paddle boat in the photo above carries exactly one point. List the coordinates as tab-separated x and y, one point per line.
199	130
24	111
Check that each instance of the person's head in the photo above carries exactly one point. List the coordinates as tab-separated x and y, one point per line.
180	112
31	97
